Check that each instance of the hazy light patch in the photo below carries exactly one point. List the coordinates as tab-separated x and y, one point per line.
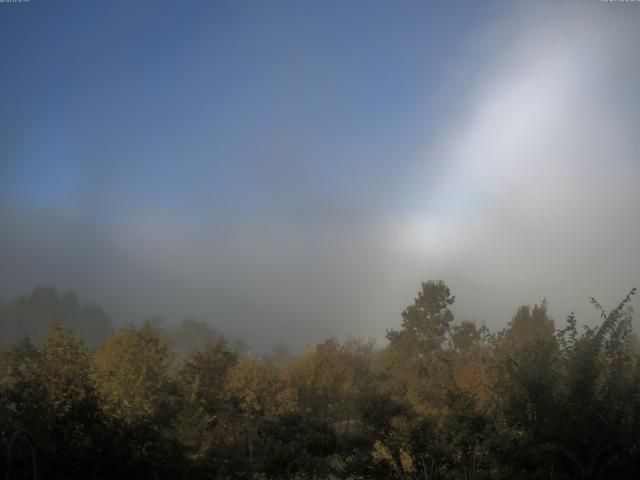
536	170
507	136
428	236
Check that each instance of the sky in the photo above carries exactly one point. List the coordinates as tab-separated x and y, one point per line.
289	171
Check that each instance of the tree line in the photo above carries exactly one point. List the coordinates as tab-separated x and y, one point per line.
444	399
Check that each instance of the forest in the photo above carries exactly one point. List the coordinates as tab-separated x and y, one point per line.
443	399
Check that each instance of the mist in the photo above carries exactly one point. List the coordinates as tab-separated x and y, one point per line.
516	178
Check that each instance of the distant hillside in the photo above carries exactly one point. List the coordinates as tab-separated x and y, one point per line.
34	314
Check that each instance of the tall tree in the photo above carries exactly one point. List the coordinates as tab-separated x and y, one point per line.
137	393
202	380
258	393
415	361
426	323
71	406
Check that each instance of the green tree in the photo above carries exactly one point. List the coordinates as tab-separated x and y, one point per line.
325	379
257	393
71	406
415	363
601	424
22	392
49	394
426	323
136	392
202	380
131	374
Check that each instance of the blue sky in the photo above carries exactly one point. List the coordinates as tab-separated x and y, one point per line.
293	170
185	104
